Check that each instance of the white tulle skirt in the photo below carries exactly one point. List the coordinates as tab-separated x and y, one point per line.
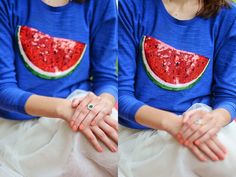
152	153
48	148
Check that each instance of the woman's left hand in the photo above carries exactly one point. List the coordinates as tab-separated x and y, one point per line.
199	126
106	131
89	111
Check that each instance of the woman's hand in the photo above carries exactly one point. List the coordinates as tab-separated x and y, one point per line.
211	149
89	111
199	126
106	131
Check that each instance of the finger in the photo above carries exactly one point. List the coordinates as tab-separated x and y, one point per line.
188	114
190	126
219	144
75	102
208	152
80	117
105	110
194	116
104	138
189	133
101	115
91	114
83	103
216	149
113	123
110	131
198	153
204	130
212	132
92	139
82	111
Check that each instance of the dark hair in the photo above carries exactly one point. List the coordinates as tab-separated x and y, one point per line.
80	1
212	7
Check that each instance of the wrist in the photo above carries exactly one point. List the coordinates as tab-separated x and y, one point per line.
172	124
62	110
109	99
223	117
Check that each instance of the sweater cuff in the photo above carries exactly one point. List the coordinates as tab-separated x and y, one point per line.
107	89
22	102
134	109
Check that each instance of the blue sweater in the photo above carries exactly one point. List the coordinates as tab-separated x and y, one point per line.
213	39
93	23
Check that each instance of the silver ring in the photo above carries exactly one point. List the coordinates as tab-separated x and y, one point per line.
90	106
198	122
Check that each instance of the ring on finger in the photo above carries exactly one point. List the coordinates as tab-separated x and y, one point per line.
90	106
198	122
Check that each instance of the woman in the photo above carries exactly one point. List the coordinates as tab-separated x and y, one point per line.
50	50
181	82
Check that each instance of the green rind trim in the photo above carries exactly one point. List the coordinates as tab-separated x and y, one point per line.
162	85
43	75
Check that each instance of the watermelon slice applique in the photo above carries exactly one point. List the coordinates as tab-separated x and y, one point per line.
48	57
170	68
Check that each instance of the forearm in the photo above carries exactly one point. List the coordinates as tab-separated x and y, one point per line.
48	107
155	118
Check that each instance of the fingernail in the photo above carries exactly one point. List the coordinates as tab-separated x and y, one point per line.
204	159
81	127
100	150
178	135
197	142
74	127
113	149
222	158
186	143
179	139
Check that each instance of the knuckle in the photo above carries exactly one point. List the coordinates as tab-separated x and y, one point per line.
111	132
211	134
187	124
94	111
82	105
191	147
83	111
102	113
101	135
192	127
200	131
91	95
91	138
98	98
201	146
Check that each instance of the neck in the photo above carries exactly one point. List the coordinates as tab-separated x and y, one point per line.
184	2
56	3
183	9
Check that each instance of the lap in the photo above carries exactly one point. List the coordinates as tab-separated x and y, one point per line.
156	153
48	146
